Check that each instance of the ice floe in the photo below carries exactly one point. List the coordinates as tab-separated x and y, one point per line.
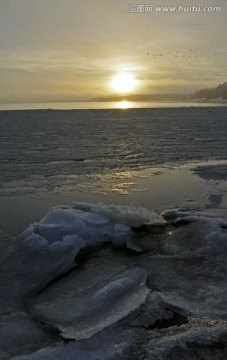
117	275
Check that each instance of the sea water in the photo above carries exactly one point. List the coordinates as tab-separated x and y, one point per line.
113	155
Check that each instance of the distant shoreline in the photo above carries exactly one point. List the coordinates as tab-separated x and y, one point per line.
105	105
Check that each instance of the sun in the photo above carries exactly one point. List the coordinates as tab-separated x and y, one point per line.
123	83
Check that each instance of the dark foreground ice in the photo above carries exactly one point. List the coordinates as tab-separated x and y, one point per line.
101	282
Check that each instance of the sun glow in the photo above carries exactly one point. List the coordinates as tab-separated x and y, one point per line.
123	104
124	83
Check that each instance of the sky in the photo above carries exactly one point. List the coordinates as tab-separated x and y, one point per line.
71	50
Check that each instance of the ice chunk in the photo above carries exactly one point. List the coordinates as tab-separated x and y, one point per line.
201	237
196	285
123	235
128	215
89	302
32	264
173	216
92	227
63	221
185	259
55	232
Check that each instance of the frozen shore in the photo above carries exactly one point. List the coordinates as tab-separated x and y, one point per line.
115	282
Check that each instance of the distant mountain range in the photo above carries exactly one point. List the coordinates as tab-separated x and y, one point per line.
219	93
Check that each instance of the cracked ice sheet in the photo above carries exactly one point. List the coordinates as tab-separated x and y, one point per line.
192	285
48	249
92	298
191	273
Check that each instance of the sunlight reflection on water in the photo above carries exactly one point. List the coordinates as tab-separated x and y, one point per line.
124	104
92	105
156	188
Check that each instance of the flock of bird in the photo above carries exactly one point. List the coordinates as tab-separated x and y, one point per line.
191	53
